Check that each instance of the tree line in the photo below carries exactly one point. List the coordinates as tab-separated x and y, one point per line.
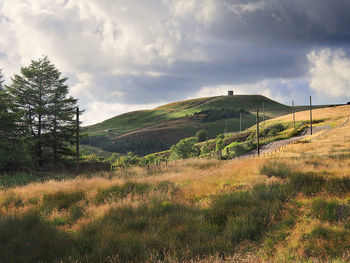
37	118
211	115
125	146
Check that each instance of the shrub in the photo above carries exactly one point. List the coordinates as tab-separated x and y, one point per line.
185	148
91	158
238	149
220	144
220	136
273	130
201	135
128	160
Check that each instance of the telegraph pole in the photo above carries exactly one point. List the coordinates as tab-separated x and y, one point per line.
293	114
263	114
310	116
257	131
240	122
77	139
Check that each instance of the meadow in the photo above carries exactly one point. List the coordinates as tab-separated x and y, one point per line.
292	205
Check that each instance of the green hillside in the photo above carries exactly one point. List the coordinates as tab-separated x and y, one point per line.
154	130
139	119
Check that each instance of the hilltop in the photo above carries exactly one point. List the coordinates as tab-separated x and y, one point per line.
148	131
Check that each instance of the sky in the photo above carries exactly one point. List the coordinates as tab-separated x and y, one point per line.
126	55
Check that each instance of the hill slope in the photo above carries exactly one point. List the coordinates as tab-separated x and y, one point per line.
153	130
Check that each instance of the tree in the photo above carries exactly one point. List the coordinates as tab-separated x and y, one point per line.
202	135
61	111
41	93
186	148
12	149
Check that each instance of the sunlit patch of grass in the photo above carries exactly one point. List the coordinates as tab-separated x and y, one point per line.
116	192
11	199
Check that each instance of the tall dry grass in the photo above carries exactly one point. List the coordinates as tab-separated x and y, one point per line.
177	198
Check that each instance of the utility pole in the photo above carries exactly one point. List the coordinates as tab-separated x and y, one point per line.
77	139
263	114
293	114
257	131
310	116
240	122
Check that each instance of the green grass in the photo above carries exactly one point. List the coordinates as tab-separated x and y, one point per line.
61	200
330	211
140	119
327	242
28	238
116	192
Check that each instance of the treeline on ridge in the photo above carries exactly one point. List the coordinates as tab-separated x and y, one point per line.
125	146
211	115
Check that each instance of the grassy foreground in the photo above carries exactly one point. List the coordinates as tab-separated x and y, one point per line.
293	205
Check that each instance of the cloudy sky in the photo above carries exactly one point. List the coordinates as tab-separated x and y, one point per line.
124	55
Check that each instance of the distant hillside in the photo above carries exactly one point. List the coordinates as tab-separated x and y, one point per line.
148	131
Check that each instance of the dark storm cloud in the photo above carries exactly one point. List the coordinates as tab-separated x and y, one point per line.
276	22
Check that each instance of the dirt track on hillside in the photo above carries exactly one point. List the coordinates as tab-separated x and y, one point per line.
273	146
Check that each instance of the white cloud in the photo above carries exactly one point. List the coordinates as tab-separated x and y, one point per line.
240	9
329	73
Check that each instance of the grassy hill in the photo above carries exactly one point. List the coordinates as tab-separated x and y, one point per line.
148	131
128	122
167	124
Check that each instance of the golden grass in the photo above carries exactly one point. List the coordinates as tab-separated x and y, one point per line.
317	114
199	178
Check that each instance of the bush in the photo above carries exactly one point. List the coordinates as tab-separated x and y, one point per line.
186	148
220	136
220	144
201	135
128	160
272	130
236	149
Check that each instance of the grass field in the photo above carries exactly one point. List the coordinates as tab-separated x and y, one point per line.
289	206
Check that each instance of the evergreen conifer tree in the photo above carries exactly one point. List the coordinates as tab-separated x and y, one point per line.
41	93
12	148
